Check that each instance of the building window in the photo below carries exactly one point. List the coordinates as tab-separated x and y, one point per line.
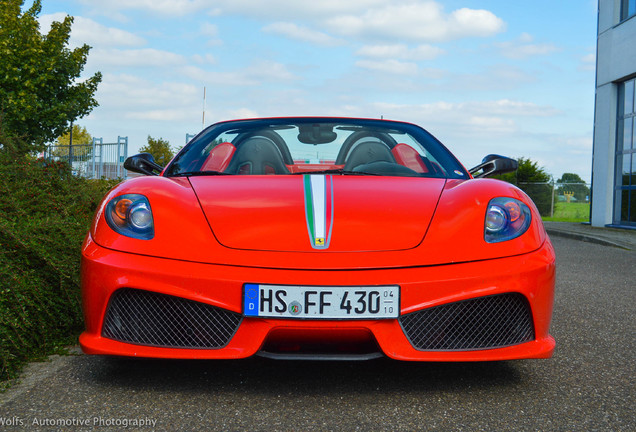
628	9
625	184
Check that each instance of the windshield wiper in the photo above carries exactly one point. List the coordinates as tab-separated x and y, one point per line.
198	173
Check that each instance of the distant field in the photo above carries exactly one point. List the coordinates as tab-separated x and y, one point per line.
570	212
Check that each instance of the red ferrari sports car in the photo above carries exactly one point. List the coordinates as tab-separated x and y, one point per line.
317	238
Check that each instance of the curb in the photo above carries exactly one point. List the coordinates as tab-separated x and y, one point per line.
585	238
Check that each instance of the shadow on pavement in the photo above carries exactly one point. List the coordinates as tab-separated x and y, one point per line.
310	378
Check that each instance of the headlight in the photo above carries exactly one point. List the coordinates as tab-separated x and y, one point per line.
130	215
506	218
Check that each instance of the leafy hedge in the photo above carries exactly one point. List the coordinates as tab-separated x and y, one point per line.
45	213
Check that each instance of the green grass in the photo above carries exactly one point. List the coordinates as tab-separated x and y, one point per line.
570	212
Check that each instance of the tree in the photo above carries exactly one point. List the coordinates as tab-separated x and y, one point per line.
82	141
534	181
159	149
572	183
39	95
7	143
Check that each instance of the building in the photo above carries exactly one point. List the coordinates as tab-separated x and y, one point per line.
614	161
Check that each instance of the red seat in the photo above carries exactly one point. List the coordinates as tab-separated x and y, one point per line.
219	158
406	155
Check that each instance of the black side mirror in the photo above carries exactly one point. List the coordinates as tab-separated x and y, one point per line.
143	163
494	164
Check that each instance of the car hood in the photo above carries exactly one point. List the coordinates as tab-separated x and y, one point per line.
377	212
307	213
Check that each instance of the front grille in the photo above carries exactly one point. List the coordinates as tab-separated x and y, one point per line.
481	323
148	318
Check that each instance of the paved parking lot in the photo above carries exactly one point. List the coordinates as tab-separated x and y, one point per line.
588	385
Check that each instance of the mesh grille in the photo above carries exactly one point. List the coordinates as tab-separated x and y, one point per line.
148	318
485	322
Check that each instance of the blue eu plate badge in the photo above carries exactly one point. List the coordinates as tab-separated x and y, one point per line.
250	307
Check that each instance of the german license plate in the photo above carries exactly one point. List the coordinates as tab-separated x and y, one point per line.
320	302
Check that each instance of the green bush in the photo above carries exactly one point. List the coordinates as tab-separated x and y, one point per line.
45	213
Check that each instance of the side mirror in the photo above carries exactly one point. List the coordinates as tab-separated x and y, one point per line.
143	163
494	164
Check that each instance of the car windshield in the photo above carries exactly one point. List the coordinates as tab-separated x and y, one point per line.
288	146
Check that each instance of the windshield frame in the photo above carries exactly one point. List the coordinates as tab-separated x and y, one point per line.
453	169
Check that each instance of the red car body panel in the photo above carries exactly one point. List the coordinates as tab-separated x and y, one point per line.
214	234
529	274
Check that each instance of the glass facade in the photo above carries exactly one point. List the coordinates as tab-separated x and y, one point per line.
625	184
628	9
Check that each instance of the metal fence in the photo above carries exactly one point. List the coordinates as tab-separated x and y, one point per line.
96	160
556	199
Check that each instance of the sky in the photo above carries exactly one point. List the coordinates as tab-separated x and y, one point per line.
483	76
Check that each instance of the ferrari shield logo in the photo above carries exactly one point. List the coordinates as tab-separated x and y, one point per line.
320	241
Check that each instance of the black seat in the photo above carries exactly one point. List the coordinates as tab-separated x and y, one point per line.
257	156
367	152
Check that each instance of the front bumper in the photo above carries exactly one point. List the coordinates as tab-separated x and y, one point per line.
105	271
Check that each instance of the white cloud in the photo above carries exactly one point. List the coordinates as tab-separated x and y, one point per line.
87	31
204	59
523	47
146	57
254	8
389	66
589	58
496	77
144	94
588	62
164	7
400	51
467	22
267	70
491	125
255	74
125	97
510	108
210	32
462	119
425	21
305	34
213	77
581	144
243	113
303	9
164	115
469	119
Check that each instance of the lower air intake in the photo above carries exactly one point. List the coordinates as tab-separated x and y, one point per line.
147	318
481	323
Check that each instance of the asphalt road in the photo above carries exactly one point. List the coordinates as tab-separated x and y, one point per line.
588	385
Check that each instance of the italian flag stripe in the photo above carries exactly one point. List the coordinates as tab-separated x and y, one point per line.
329	206
318	191
309	207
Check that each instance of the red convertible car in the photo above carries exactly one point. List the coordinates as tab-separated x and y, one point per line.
317	238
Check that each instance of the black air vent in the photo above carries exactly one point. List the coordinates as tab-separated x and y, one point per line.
148	318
